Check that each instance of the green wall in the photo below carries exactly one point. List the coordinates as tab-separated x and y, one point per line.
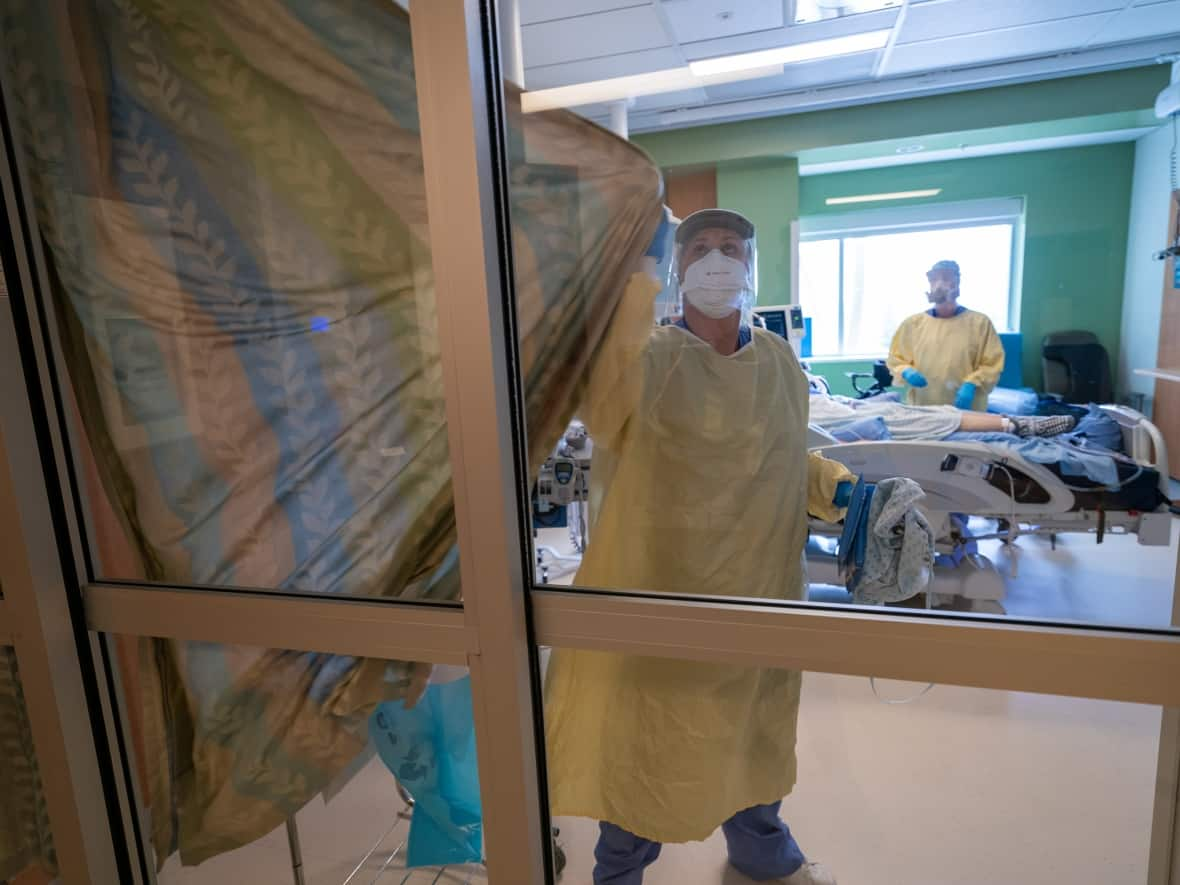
1114	92
766	192
1077	205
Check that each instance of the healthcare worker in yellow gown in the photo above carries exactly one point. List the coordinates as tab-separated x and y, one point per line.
948	355
705	425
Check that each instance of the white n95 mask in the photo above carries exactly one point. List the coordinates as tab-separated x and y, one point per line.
716	285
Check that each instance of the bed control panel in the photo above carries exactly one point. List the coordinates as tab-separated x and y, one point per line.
966	465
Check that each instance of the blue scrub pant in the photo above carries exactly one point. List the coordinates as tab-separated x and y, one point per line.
760	846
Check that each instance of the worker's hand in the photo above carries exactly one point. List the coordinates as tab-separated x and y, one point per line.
843	493
419	680
913	377
965	397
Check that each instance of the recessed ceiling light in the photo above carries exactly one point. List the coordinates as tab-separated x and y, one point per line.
705	72
873	198
631	86
812	50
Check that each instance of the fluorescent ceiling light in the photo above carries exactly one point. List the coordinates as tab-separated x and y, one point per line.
873	198
814	10
622	88
796	52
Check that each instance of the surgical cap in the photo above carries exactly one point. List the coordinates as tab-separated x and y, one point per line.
944	265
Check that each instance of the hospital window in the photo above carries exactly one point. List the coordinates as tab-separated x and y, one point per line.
857	284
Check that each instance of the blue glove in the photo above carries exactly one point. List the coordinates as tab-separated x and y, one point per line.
843	493
966	396
914	378
659	243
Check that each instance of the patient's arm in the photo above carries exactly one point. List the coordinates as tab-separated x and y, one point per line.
1021	425
981	422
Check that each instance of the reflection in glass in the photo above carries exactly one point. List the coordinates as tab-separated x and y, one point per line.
26	844
253	761
883	781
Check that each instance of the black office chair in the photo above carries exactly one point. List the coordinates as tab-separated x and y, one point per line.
881	376
1076	367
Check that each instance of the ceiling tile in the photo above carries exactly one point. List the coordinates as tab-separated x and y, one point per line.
590	36
801	76
1143	22
694	20
930	21
644	104
533	11
602	68
994	46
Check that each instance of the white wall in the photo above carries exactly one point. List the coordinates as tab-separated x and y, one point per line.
1144	282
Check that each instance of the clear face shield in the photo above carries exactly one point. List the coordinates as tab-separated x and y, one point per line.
714	266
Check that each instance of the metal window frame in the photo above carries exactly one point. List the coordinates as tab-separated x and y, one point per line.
494	633
460	107
1137	667
438	634
44	630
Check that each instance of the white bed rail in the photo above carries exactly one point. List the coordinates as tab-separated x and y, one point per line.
1143	441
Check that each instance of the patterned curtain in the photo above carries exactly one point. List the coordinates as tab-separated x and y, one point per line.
232	206
25	840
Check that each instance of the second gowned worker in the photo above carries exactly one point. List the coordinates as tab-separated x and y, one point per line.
947	355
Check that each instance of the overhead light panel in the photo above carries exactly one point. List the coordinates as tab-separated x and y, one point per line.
873	198
813	50
706	72
620	88
816	10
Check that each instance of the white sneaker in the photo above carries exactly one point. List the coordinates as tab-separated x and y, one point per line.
809	874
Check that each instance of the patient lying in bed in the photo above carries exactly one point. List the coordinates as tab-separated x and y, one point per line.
840	415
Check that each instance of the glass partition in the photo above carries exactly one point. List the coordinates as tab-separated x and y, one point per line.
716	773
888	294
233	215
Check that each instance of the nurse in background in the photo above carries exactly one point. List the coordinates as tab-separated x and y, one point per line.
947	355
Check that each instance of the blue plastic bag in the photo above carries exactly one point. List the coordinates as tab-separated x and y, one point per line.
431	751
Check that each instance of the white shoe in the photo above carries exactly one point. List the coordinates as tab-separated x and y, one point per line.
809	874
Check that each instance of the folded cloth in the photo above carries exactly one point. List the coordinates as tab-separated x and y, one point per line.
851	549
899	552
1098	430
1011	401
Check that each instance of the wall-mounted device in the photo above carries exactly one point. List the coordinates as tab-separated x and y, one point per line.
1167	103
1167	107
785	320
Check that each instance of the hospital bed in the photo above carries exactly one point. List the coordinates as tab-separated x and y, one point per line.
1011	495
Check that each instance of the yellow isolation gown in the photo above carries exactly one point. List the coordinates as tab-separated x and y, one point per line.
948	351
711	486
